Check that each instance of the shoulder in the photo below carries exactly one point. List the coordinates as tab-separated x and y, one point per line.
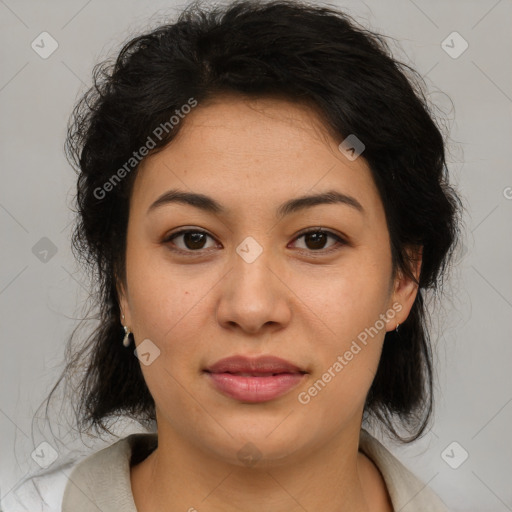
408	493
103	479
118	457
45	490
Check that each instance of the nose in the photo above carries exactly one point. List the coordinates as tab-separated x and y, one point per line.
254	296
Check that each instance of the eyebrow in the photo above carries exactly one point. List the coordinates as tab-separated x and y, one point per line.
210	205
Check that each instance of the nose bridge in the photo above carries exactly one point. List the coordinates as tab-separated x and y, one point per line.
251	272
252	294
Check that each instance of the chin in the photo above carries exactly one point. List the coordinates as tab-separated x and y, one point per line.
260	445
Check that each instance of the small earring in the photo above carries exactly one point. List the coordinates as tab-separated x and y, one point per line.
396	328
126	339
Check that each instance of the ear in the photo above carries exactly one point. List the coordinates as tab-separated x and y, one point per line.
123	304
405	288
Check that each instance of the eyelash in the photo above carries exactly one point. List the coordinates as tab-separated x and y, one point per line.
190	252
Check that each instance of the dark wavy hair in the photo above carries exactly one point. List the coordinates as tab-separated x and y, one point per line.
315	56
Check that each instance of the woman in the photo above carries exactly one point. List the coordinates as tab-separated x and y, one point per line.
263	200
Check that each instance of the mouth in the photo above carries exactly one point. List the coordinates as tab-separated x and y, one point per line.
255	388
254	374
254	380
250	366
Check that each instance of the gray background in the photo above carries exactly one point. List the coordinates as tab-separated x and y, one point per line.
41	295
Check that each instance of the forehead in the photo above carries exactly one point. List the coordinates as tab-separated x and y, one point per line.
248	125
253	151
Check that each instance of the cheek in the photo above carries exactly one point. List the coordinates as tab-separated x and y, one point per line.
349	304
170	305
345	363
162	295
348	299
167	308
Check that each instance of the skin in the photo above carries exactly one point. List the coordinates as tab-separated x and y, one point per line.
297	301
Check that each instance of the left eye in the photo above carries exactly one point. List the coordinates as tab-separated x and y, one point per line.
194	240
317	238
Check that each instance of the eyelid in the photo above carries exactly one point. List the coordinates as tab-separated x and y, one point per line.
183	231
341	239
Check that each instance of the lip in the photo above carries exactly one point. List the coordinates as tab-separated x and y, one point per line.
261	364
254	379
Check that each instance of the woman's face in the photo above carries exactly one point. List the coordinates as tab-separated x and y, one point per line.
254	284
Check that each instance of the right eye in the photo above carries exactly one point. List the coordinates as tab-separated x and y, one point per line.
192	240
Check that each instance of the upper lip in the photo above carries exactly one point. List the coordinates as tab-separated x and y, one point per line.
261	364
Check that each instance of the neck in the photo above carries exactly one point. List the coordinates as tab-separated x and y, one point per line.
334	477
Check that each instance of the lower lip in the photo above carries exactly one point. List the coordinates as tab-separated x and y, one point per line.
255	389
